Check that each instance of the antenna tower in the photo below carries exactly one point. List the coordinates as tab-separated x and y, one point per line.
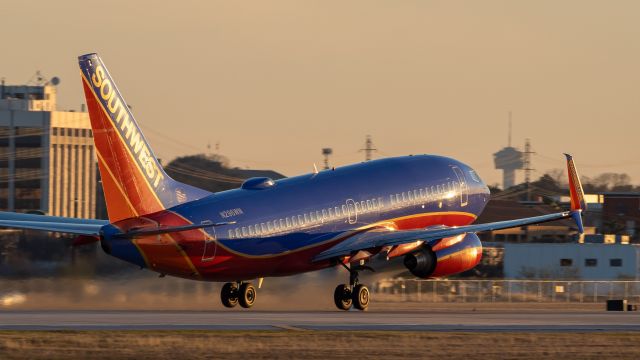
326	152
526	160
368	148
509	137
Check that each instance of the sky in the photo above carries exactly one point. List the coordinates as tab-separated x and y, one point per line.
274	82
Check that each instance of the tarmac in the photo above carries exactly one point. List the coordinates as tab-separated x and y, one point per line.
452	320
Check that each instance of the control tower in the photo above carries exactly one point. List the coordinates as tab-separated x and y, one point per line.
509	159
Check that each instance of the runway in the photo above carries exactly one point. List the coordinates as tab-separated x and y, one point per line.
455	320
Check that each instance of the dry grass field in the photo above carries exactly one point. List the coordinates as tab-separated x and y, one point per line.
174	345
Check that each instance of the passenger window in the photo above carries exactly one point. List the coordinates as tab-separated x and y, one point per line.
283	224
380	203
410	196
238	235
422	194
344	210
415	195
433	193
306	218
300	220
404	196
398	200
363	206
244	232
358	208
276	225
230	234
337	209
270	226
369	205
319	215
294	221
251	231
374	203
313	216
330	213
324	214
393	200
263	228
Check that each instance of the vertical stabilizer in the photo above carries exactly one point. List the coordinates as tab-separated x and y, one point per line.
133	180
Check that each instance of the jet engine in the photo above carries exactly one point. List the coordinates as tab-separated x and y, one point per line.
447	256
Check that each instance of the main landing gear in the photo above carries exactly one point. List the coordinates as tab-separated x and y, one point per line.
233	293
354	294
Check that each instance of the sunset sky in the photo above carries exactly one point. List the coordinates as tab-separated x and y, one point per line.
275	81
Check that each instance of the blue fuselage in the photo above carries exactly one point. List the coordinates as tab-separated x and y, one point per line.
305	214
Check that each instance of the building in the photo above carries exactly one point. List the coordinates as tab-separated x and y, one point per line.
572	261
621	213
47	156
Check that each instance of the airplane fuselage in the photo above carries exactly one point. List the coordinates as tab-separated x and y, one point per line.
276	228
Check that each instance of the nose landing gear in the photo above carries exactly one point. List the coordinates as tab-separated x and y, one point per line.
353	294
233	293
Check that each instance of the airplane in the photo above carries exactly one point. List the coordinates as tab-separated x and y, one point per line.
419	207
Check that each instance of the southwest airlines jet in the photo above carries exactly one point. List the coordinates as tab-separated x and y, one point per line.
420	207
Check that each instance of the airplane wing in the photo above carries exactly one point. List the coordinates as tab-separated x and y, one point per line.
382	237
51	223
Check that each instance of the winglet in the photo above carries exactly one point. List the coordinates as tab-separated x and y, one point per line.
578	204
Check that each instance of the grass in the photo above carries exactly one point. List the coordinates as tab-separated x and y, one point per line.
173	345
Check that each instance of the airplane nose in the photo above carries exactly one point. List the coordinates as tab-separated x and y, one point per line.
485	191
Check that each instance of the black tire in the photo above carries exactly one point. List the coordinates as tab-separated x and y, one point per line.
247	295
342	297
229	295
360	297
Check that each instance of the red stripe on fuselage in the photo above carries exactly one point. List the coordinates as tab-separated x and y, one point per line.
228	265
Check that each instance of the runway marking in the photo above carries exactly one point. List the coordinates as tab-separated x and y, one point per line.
290	327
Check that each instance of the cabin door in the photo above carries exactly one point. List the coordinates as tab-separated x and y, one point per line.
464	188
351	211
210	244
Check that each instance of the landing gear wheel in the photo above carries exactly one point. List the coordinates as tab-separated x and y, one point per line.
342	297
360	297
247	295
229	295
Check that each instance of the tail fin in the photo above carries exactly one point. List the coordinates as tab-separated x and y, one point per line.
133	180
575	187
576	193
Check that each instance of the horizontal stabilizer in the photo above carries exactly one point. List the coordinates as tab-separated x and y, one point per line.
63	227
7	215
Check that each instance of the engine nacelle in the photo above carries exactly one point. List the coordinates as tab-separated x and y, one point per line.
447	257
422	262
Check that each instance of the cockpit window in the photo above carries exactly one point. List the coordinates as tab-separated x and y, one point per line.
474	176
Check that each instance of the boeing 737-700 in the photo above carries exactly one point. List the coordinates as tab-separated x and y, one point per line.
420	207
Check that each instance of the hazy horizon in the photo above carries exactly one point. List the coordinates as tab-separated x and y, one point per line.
274	82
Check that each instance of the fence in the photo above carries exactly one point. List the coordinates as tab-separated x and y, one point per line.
507	290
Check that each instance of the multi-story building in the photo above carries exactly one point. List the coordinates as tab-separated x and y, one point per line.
47	156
